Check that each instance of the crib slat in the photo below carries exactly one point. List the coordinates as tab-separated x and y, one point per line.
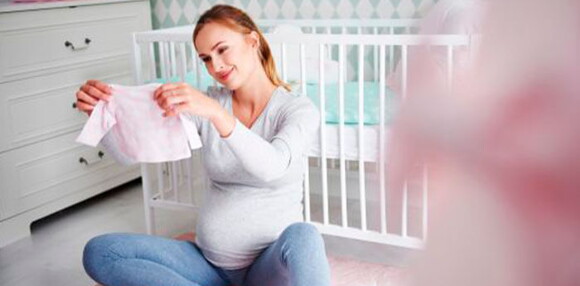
161	182
179	172
189	170
376	56
163	60
137	66
391	52
151	57
404	70
302	55
183	63
174	182
196	66
172	59
323	135
306	190
382	143
343	193
303	69
449	67
147	195
361	149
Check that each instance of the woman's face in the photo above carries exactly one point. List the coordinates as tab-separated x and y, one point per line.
229	56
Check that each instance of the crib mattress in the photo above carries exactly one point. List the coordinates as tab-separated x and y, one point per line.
369	150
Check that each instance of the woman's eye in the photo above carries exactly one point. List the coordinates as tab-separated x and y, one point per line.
222	50
205	59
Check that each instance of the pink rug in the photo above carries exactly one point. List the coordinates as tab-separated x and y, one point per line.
351	272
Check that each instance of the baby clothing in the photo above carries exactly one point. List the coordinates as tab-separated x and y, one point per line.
132	128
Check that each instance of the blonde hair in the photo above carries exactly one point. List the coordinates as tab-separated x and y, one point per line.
239	21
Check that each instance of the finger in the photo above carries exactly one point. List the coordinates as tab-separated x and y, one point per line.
103	87
82	96
169	112
179	108
162	89
167	97
176	99
84	106
94	92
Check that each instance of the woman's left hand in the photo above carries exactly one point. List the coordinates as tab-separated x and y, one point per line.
175	98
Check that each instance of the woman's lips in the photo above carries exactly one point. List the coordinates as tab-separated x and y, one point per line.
225	76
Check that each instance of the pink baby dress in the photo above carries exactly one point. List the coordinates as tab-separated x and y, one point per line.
132	128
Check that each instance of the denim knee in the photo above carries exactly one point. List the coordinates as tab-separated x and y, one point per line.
303	236
95	254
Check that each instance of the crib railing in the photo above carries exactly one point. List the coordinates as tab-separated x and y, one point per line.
362	42
364	212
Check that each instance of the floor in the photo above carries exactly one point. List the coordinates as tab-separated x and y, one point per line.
52	255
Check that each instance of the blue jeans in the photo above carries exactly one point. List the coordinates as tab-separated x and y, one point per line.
296	258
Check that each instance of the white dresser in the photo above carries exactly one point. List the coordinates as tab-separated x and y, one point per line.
47	50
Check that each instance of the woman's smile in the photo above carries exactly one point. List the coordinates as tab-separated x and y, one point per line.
223	76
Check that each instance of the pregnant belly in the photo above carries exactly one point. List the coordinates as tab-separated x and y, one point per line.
233	229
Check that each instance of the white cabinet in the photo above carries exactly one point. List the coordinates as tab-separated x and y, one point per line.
47	50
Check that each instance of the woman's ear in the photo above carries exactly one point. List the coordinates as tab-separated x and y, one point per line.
253	39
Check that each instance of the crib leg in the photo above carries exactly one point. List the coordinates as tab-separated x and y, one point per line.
147	197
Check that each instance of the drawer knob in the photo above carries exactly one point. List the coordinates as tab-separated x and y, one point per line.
72	46
83	161
101	154
74	105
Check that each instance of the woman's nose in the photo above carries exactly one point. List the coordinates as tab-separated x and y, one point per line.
218	65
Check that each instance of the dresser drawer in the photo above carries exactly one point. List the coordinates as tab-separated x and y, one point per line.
40	108
40	173
46	41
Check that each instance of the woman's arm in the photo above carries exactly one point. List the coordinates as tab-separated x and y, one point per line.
265	160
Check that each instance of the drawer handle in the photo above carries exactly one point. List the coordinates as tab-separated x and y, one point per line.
69	44
82	160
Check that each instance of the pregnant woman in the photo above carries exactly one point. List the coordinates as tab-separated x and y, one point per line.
255	133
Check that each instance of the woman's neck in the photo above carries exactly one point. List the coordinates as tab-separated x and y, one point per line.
256	92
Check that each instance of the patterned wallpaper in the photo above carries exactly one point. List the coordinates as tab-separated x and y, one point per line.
169	13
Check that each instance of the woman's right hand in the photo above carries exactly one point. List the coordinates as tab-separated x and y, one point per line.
90	93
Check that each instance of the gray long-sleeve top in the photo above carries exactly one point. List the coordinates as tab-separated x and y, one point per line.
256	178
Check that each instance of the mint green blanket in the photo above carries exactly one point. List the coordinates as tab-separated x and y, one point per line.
371	99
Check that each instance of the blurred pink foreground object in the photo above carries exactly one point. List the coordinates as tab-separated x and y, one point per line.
503	153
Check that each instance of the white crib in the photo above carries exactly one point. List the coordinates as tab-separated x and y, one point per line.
344	186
